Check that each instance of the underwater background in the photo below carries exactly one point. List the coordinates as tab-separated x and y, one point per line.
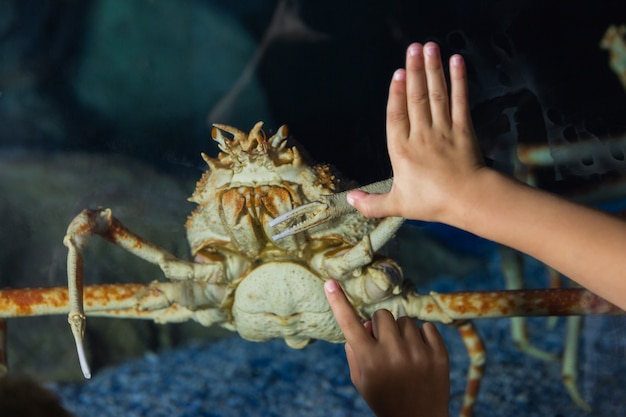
110	102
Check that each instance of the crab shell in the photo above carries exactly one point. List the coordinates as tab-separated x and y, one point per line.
276	287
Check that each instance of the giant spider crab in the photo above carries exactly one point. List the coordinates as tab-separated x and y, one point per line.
246	281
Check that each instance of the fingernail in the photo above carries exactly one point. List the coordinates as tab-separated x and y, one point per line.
331	286
414	50
398	75
350	199
430	50
457	60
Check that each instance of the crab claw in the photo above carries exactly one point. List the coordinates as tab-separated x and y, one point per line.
326	208
314	213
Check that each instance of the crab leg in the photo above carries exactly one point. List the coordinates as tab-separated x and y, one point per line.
102	222
513	271
152	300
86	224
144	301
512	267
140	301
541	302
363	252
569	370
326	208
76	317
463	306
476	351
466	305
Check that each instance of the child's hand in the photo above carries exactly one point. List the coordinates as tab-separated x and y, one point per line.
399	369
430	139
438	175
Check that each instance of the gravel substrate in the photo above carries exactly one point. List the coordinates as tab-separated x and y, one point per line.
233	377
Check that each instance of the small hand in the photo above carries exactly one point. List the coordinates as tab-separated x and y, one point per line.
398	368
430	140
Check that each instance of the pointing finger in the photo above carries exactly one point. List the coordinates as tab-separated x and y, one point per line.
348	320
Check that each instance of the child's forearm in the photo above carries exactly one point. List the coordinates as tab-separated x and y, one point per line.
584	244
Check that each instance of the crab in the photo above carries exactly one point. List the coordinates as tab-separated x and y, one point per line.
240	278
268	230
